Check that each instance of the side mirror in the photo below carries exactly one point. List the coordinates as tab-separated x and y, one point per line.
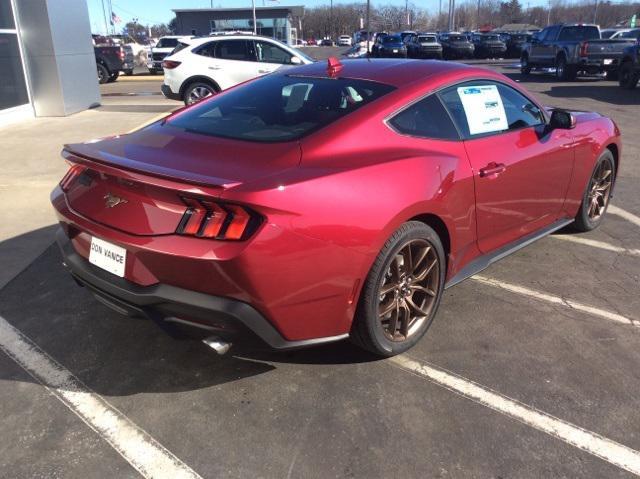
296	61
562	120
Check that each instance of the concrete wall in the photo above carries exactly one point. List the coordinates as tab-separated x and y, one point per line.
59	57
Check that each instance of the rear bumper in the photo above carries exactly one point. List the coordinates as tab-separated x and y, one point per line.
166	303
168	93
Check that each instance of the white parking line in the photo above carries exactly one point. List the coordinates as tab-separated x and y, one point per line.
611	451
143	452
597	244
615	210
513	288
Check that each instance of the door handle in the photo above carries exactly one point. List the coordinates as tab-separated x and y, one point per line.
492	168
265	71
215	67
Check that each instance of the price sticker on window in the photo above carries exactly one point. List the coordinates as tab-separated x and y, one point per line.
483	108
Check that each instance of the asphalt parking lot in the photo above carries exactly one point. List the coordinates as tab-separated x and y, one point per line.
530	370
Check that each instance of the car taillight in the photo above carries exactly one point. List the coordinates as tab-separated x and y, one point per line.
170	64
583	49
74	172
222	221
121	53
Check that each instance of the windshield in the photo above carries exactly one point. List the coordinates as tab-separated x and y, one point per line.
167	43
579	33
278	108
457	38
392	39
490	38
519	38
426	38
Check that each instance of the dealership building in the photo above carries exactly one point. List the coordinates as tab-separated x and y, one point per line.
281	23
47	62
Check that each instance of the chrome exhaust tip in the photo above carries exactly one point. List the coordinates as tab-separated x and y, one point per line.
219	345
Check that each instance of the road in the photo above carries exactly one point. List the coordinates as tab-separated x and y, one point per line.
528	371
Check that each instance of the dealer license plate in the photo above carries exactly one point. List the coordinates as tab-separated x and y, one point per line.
108	256
395	51
608	61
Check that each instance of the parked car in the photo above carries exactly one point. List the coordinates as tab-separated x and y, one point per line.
109	61
423	45
407	33
205	66
633	34
128	63
456	45
161	50
344	41
572	49
515	43
630	67
327	42
389	46
488	45
262	209
618	33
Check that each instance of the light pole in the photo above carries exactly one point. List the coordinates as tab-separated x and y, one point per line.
595	13
331	21
253	9
452	9
368	27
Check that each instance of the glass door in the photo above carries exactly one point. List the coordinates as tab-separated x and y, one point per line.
13	85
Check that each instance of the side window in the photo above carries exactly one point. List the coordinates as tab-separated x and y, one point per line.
233	50
269	53
552	33
482	107
207	50
521	112
427	119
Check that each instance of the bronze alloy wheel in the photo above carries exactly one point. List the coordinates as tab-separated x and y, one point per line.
408	291
599	190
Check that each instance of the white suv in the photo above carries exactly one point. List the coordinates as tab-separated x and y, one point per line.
344	41
201	67
161	50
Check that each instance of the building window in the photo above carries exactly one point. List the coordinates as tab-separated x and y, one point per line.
268	27
13	86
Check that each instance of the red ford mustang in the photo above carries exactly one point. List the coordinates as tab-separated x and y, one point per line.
323	203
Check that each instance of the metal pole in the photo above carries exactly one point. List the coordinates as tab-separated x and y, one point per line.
478	16
595	13
255	25
549	14
452	9
439	14
106	25
368	27
406	12
331	21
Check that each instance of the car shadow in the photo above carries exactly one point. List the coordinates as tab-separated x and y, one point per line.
115	355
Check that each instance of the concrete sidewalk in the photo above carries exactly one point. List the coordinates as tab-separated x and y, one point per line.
31	165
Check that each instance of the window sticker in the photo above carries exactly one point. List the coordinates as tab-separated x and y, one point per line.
483	108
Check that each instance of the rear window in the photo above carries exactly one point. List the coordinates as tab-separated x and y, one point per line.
579	33
279	108
392	39
167	43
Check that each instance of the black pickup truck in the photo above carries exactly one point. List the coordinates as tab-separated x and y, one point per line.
630	67
110	59
572	49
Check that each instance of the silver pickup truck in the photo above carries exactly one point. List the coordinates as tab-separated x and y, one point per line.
573	49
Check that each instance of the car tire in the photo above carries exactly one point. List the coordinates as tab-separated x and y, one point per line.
525	66
103	74
393	284
113	77
564	72
153	71
595	199
197	91
128	72
628	77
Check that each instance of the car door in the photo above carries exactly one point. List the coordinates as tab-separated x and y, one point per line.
521	169
547	47
271	57
234	62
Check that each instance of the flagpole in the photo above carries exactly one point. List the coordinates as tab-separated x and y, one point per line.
255	26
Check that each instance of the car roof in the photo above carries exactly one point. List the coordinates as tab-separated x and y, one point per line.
215	38
395	72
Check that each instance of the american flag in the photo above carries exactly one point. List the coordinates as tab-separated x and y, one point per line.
115	18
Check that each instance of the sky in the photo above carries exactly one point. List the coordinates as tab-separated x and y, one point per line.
159	11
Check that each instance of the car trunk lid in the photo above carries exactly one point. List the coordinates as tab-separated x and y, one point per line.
135	183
